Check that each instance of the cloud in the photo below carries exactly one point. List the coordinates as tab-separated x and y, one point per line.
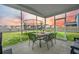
10	21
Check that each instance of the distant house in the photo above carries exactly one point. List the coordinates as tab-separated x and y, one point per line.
73	26
75	23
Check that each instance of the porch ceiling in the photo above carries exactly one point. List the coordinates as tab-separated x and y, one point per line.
45	10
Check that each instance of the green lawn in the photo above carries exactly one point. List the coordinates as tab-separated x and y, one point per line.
69	35
60	35
11	38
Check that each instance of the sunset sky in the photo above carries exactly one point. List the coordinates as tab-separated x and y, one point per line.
11	17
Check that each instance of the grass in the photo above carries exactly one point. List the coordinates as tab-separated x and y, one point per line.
11	38
60	35
69	35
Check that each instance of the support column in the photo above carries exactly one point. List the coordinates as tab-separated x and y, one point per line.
36	25
55	28
21	26
45	25
76	18
65	26
54	25
21	22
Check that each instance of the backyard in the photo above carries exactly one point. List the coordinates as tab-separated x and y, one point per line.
11	38
69	35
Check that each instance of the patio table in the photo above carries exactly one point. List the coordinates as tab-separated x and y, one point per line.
41	36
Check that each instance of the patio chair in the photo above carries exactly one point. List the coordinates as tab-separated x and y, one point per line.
33	38
54	36
75	46
49	38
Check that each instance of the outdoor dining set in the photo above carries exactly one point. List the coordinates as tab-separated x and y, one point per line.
46	37
51	37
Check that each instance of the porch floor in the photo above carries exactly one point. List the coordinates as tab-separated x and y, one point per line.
61	47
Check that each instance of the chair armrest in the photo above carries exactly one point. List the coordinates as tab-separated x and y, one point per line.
73	47
76	39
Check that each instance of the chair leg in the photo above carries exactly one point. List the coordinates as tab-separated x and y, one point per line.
33	46
40	43
72	51
55	40
47	45
29	42
51	42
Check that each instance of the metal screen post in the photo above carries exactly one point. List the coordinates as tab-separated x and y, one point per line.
44	26
55	28
36	25
65	26
54	25
21	26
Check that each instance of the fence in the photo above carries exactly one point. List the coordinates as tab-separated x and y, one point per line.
72	29
68	29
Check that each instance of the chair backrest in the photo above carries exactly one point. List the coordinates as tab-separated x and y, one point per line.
32	36
51	36
54	35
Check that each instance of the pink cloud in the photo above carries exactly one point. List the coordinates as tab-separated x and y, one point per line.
10	21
